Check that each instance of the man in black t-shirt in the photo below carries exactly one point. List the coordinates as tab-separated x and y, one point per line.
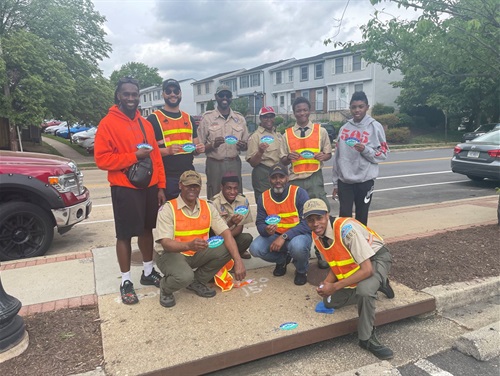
177	137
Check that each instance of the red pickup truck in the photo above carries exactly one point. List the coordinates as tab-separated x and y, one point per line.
38	192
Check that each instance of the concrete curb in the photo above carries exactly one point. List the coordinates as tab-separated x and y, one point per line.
482	344
463	293
381	368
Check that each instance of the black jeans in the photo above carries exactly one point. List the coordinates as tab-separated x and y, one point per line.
359	194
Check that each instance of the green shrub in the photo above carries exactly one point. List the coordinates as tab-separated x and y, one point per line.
387	120
381	109
281	128
398	135
405	120
278	120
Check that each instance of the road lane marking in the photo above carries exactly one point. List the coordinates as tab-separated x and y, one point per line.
418	160
431	368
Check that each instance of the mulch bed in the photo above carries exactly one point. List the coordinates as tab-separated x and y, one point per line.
68	341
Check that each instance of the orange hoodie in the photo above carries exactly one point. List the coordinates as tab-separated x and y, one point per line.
115	145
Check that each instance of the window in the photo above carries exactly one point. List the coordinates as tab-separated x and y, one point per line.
144	98
207	88
159	94
243	82
282	101
149	97
279	78
290	75
305	94
339	65
319	100
356	62
231	84
318	71
255	79
358	87
304	73
292	97
203	107
199	89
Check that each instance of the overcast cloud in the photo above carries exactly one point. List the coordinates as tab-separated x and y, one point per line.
200	38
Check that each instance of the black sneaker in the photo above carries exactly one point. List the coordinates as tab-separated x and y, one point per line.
167	300
376	348
300	278
152	279
322	264
280	269
201	290
387	289
128	294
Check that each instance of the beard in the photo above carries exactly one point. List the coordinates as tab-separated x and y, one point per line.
279	190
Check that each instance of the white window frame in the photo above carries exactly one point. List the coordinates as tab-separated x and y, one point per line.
244	82
316	76
207	87
302	72
358	85
290	75
322	92
255	79
305	94
335	65
279	77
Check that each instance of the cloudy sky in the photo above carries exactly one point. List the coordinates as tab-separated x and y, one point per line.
200	38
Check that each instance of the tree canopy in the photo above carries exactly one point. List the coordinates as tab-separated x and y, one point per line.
449	55
147	76
49	55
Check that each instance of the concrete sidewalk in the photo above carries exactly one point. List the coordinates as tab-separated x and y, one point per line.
89	278
68	152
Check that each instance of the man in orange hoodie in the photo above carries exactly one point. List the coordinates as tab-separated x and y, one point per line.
115	150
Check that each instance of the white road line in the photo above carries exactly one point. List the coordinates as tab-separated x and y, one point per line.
417	186
407	175
431	368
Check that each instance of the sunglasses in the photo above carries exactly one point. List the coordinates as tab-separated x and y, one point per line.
170	91
128	80
225	95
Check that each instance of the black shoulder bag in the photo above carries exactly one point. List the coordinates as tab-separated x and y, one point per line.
140	173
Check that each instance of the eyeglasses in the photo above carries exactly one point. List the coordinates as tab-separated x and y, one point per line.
170	91
225	95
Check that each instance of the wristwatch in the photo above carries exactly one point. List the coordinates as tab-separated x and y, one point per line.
284	236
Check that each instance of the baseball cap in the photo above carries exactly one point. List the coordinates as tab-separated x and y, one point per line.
190	177
278	168
267	110
171	82
223	88
314	206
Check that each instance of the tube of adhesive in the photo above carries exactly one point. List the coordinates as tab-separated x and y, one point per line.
238	284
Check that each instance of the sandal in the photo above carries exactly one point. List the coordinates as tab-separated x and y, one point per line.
128	293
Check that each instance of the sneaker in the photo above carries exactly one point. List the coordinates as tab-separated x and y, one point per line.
280	269
376	348
300	278
387	289
167	300
322	264
246	255
201	290
152	279
128	294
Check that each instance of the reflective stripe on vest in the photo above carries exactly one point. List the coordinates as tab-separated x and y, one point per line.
337	255
175	131
223	278
286	209
300	144
188	228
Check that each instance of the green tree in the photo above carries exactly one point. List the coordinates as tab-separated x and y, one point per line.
210	105
240	105
147	76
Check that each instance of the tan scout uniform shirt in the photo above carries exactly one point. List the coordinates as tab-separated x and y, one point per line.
356	239
324	142
226	210
272	154
213	125
165	220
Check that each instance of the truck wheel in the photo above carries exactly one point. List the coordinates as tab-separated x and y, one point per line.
25	231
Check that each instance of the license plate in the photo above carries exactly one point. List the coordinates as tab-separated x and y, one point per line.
473	154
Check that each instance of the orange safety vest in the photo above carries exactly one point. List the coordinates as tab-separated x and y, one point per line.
286	209
337	255
175	131
188	228
300	144
223	278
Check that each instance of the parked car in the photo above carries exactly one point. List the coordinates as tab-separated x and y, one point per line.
330	129
74	129
54	128
49	123
80	137
479	158
37	193
482	129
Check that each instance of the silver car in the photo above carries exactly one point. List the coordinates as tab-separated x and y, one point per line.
479	158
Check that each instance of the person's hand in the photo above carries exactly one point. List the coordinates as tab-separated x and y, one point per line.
277	244
200	148
198	244
142	153
359	147
218	142
271	229
239	270
161	196
320	156
263	147
235	220
326	289
335	194
241	145
293	156
174	149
